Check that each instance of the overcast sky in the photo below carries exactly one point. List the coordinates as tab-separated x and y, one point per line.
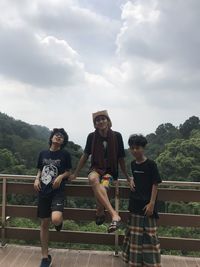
61	60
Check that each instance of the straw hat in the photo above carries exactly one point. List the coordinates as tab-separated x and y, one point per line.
101	113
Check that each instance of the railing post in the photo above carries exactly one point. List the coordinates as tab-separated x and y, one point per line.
116	253
3	216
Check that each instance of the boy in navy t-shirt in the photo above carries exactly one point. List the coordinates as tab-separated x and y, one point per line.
53	167
141	245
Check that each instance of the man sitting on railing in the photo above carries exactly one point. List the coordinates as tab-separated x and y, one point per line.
54	167
107	150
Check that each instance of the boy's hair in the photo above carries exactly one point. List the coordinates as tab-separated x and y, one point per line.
62	131
137	140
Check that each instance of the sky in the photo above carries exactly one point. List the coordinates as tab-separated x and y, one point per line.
62	60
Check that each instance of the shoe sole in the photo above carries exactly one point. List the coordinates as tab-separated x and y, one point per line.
112	230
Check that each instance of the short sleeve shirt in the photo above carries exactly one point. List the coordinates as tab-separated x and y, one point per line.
51	164
121	151
88	147
145	175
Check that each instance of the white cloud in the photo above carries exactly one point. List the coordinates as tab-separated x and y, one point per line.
38	61
139	12
62	60
84	29
159	51
160	31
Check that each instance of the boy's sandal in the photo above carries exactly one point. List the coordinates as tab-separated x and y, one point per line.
100	219
115	225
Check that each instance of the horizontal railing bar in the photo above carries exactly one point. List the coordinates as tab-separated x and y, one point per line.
181	183
76	214
17	176
187	244
64	236
72	190
84	179
29	234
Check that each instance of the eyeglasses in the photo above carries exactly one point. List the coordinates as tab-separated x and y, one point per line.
59	135
58	132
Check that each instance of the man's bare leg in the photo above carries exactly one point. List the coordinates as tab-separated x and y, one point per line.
100	208
101	195
44	236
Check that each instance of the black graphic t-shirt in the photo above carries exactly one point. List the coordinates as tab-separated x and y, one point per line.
121	151
145	175
52	164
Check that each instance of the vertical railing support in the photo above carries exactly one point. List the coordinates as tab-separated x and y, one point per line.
116	253
3	215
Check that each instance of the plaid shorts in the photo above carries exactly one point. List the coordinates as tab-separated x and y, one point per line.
141	246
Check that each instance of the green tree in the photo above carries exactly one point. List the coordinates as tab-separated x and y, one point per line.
189	125
164	134
180	159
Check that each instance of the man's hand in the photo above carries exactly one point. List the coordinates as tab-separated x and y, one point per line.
57	182
37	185
149	208
72	177
131	184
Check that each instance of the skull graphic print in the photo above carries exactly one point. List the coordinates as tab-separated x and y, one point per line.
49	173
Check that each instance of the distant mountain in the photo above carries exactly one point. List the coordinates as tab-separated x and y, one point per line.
20	144
176	149
10	126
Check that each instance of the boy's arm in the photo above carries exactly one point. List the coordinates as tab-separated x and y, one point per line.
80	165
156	179
59	179
65	174
38	175
149	208
154	193
37	185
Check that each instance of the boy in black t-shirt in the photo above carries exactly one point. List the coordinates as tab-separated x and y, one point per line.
106	149
53	167
141	246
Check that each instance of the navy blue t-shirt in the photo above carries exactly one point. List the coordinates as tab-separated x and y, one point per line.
145	175
51	164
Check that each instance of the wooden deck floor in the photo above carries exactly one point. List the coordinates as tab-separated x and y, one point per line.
22	256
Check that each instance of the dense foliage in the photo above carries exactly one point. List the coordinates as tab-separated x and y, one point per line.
20	144
175	149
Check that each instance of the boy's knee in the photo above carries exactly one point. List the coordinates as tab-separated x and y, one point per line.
56	219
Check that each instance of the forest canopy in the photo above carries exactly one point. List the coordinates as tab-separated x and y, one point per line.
176	149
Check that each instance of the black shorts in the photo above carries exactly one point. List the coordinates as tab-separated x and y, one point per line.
49	203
